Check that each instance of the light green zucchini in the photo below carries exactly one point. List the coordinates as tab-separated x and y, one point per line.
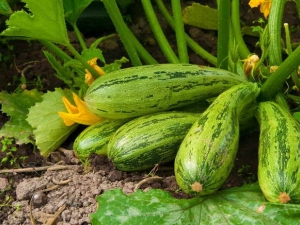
143	90
207	153
279	154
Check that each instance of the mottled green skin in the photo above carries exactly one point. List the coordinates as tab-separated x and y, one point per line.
94	139
279	152
149	140
138	91
208	151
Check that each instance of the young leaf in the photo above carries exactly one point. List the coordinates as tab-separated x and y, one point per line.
245	205
200	16
16	106
73	9
49	129
5	8
45	21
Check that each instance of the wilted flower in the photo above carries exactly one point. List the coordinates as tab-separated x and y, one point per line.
89	79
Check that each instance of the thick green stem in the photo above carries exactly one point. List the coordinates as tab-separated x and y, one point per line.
275	25
179	30
191	43
158	33
275	82
236	29
79	36
223	33
116	17
56	50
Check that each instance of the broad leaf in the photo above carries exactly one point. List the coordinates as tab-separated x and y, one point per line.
49	129
73	9
16	106
45	21
200	16
245	205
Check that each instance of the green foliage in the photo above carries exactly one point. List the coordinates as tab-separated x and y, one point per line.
5	8
73	9
17	107
245	205
49	129
44	21
201	16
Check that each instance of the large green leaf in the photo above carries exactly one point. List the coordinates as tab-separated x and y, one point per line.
240	206
73	9
49	129
16	106
45	21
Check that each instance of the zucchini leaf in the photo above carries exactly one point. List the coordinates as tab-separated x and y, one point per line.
73	9
200	16
16	106
44	21
244	205
49	129
5	8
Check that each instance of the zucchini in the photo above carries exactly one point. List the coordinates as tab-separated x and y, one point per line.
279	154
94	138
143	90
207	153
148	140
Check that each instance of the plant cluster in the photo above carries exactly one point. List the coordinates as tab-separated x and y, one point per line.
264	87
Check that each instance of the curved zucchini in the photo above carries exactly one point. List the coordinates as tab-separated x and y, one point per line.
143	90
279	154
206	155
148	140
94	139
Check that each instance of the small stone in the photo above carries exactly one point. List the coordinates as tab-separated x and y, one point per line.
39	199
3	183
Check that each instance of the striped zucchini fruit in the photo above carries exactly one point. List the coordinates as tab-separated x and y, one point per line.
143	90
149	140
207	153
94	138
279	154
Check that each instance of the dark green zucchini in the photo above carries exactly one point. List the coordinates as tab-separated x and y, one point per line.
149	140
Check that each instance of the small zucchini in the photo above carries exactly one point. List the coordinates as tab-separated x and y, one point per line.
143	90
148	140
279	154
207	153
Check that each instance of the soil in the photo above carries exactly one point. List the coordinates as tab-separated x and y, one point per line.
76	185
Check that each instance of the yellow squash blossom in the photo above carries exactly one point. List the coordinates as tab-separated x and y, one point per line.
265	6
89	79
77	113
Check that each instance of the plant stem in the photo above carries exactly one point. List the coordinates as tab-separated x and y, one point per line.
223	33
116	17
79	36
82	60
56	50
274	24
158	33
237	32
275	82
179	30
191	43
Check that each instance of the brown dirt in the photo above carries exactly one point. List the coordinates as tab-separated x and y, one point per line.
16	189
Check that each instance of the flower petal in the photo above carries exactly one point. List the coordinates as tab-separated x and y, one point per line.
70	108
65	117
255	3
